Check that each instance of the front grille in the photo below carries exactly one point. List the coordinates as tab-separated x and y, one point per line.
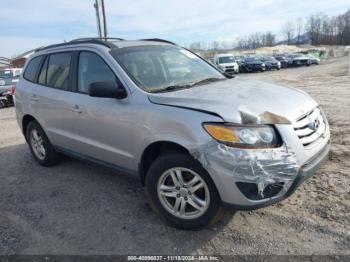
310	127
229	67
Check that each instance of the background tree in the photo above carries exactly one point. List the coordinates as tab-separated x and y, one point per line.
299	29
288	31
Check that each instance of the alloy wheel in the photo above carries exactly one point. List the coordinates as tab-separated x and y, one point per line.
183	193
37	144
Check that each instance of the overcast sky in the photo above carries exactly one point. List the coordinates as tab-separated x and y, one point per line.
26	24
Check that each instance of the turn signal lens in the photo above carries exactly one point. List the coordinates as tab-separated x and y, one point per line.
222	133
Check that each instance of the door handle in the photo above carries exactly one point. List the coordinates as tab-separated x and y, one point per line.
34	98
76	109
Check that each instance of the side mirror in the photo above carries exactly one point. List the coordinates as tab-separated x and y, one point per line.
107	90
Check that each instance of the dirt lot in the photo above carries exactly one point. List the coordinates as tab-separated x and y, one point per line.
78	208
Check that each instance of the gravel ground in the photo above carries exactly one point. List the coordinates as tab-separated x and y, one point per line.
79	208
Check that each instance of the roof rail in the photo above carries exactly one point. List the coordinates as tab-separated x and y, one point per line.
158	40
97	38
79	41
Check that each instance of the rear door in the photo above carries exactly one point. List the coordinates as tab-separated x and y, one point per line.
51	99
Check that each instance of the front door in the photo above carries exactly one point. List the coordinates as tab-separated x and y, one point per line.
102	125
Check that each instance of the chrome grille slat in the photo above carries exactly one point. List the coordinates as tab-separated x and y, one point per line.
301	124
312	138
305	127
304	121
304	132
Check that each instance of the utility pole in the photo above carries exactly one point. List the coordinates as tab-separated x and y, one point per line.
104	18
102	30
96	6
348	50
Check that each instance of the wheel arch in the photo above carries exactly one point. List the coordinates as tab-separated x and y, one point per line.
25	121
154	150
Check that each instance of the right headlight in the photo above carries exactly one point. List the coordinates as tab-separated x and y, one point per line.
244	136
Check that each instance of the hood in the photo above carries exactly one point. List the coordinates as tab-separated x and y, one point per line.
242	101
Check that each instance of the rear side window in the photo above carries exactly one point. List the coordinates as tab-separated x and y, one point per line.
32	68
57	72
43	72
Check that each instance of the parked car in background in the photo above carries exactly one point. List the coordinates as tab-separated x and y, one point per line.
252	64
271	63
298	60
313	59
283	60
239	59
8	80
227	63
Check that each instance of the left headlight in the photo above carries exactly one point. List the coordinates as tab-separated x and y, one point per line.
244	136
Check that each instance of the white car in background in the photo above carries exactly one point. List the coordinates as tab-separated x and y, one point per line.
313	59
227	63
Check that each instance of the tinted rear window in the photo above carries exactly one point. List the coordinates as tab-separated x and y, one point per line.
58	70
32	68
42	75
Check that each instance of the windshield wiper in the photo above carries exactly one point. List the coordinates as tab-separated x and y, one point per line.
207	80
184	86
169	88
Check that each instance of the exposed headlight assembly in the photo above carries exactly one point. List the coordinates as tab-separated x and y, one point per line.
244	136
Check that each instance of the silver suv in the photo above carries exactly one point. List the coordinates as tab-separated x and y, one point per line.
198	139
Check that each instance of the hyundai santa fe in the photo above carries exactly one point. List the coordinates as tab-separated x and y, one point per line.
200	141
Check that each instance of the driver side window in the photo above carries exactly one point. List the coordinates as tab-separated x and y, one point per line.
92	69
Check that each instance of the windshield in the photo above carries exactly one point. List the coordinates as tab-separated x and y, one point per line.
155	68
270	58
226	59
6	74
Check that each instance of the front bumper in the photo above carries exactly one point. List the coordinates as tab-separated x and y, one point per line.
228	167
273	66
233	70
306	171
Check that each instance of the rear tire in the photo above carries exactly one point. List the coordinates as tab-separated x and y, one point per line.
177	204
40	146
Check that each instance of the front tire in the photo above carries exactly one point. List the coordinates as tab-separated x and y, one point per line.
40	146
181	191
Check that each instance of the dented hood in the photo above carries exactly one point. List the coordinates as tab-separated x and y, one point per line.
242	101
